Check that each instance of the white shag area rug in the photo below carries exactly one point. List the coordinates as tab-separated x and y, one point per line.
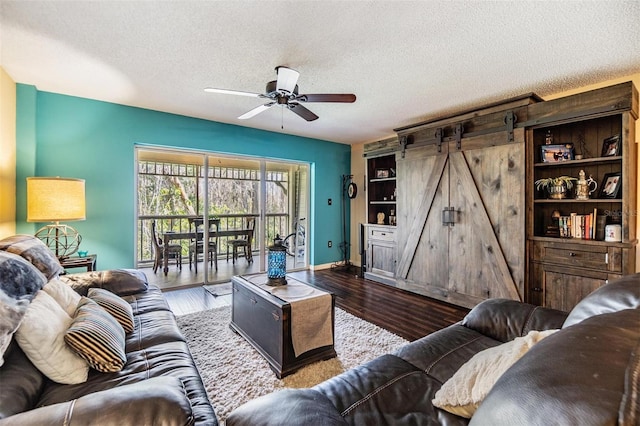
234	373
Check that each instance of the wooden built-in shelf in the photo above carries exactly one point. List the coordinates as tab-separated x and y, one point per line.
584	161
382	179
583	241
574	201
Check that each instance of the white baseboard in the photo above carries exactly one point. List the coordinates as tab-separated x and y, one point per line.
327	266
320	267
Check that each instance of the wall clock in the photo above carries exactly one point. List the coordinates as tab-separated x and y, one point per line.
352	190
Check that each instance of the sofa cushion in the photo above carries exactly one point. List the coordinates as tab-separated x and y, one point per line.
623	293
63	294
463	393
21	383
119	281
152	401
114	305
41	337
505	319
35	252
583	374
386	390
97	337
19	283
287	407
442	353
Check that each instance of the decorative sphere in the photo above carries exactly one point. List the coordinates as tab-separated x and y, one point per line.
63	240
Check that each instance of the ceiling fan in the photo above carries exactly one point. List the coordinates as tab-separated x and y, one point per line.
284	91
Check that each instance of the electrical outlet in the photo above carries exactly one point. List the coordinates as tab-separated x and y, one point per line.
329	244
329	201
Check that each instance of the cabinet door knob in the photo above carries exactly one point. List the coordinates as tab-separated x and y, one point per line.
537	289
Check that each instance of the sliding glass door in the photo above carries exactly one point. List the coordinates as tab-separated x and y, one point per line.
234	198
222	211
286	204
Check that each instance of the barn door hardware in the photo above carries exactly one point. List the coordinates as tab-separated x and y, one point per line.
439	138
458	136
510	120
449	216
404	141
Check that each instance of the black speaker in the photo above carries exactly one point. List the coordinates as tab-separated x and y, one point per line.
363	251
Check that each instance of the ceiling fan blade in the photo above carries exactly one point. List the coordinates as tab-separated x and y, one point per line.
256	111
233	92
302	111
327	97
287	79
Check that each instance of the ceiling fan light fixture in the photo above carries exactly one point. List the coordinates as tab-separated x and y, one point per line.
287	79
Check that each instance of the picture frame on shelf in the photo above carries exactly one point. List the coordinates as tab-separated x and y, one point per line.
610	187
611	146
382	173
557	153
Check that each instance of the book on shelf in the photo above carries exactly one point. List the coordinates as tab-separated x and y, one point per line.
582	226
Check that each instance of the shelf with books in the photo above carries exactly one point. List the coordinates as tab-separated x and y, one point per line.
570	253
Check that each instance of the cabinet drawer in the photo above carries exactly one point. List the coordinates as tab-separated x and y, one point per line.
599	257
382	234
577	258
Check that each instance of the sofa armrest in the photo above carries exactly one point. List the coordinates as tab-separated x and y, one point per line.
155	401
505	319
122	282
287	407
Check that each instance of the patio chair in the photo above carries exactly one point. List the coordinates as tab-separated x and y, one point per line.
174	250
244	242
196	246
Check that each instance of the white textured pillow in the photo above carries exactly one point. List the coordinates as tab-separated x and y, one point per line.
66	297
467	388
41	337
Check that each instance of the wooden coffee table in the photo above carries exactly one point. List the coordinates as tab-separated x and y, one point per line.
264	320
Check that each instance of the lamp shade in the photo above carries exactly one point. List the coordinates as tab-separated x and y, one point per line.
54	199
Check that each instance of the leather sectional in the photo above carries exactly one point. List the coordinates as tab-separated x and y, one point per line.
159	384
587	373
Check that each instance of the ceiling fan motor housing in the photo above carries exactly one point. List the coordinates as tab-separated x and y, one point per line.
271	89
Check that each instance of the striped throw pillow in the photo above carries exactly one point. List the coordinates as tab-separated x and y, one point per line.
97	337
119	308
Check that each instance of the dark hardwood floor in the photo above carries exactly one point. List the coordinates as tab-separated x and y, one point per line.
406	314
403	313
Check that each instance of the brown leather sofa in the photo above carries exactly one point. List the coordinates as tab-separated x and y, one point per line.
588	373
159	384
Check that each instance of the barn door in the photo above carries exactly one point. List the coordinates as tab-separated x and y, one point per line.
480	255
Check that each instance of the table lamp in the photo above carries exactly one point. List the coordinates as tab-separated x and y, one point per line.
55	199
276	263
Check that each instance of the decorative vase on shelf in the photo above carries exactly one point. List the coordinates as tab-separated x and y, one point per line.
556	187
558	192
380	218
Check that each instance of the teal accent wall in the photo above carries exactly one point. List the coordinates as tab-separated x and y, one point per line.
66	136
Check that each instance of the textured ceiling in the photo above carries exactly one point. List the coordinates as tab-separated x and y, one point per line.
405	61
